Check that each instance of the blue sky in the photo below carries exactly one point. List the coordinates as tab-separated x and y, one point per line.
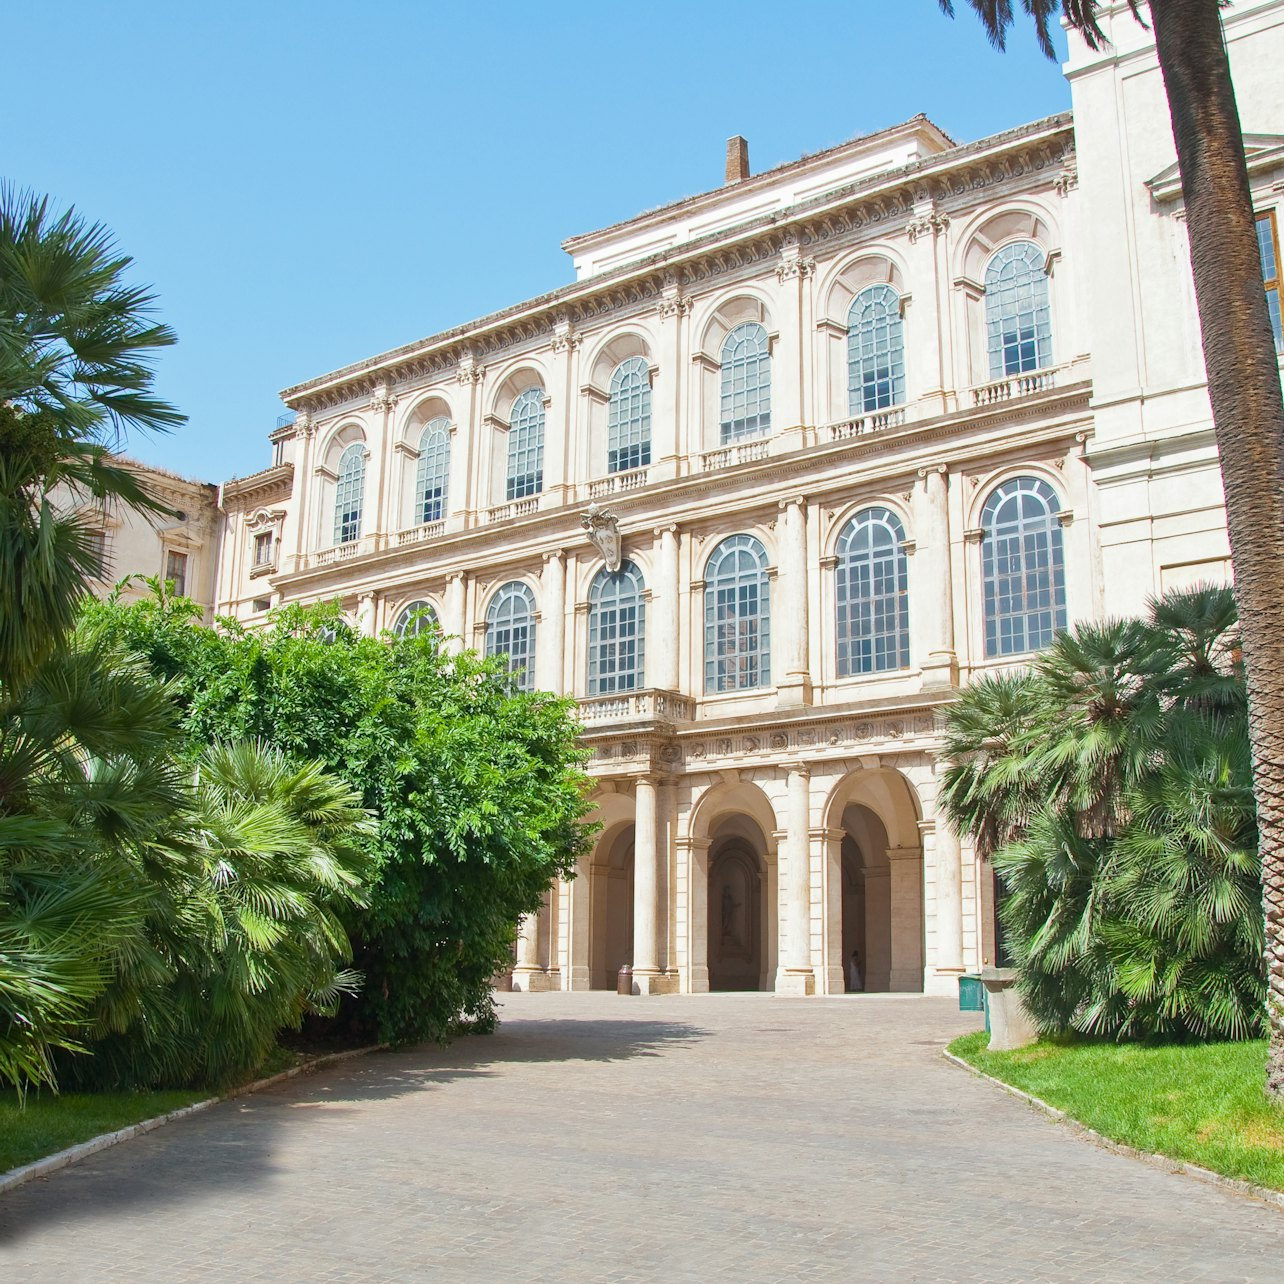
306	183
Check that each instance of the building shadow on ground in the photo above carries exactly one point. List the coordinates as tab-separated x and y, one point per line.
231	1146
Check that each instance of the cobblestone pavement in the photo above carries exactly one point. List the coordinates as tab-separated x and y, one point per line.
736	1137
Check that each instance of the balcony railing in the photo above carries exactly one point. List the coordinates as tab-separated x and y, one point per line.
516	508
339	552
1014	386
633	706
875	421
617	483
740	452
416	534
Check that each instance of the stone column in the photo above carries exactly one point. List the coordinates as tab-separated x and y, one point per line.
906	898
694	854
304	485
796	976
646	853
794	682
667	388
939	661
550	660
949	904
662	624
367	607
527	966
455	625
382	403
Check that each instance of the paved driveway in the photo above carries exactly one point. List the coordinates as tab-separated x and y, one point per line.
736	1137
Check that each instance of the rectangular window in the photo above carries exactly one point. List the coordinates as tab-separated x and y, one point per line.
264	553
176	571
1268	246
262	603
97	542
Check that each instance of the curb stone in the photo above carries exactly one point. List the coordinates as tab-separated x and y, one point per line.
74	1154
1232	1184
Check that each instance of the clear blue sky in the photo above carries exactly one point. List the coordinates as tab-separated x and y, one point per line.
307	183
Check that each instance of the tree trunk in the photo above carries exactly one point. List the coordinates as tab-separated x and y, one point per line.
1248	414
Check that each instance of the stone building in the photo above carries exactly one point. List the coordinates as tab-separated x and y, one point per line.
787	463
183	549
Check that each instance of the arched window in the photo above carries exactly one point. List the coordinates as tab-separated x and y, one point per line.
617	627
737	616
1024	567
746	383
433	475
415	618
1018	320
875	350
526	445
510	632
349	494
628	417
872	594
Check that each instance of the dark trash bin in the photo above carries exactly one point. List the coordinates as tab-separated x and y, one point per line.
624	981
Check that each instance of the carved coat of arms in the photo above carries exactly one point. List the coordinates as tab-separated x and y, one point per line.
603	527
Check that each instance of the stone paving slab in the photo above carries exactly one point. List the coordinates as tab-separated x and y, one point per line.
686	1138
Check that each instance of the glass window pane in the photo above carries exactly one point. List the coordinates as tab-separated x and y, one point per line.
1023	565
746	383
875	351
617	631
737	611
414	619
433	475
349	494
1017	314
628	431
872	594
510	632
526	445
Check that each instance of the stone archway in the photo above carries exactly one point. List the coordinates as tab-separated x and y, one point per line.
611	908
736	921
875	878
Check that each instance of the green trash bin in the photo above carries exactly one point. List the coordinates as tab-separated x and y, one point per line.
971	993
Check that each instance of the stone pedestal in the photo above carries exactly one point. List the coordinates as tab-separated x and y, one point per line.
1010	1023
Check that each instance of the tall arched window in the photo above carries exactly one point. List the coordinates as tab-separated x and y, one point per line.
526	445
737	616
433	475
1024	567
628	417
872	594
875	350
617	628
510	631
349	494
1018	320
746	383
415	618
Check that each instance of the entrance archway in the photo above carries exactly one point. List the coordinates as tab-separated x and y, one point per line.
737	930
611	908
876	884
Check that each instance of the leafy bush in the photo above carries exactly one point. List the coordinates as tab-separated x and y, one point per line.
476	787
1111	786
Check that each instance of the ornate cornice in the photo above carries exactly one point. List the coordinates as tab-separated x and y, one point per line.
1038	151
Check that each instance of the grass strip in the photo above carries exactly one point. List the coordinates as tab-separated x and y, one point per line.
1200	1103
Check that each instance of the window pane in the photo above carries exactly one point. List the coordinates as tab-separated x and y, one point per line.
433	474
414	619
1017	316
875	351
872	593
510	632
349	494
746	383
617	631
526	445
1268	248
737	616
1024	567
628	432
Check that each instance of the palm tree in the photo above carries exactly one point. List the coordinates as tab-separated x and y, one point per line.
1243	386
76	348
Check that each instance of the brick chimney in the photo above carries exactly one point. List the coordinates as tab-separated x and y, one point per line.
737	159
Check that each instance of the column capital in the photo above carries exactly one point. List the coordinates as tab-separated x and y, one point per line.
799	769
554	555
670	528
792	501
930	469
895	854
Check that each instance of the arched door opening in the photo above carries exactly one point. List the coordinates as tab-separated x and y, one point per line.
611	909
876	886
735	917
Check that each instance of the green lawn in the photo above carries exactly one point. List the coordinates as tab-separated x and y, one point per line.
50	1123
1200	1103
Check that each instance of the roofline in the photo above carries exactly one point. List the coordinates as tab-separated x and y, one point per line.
663	212
601	282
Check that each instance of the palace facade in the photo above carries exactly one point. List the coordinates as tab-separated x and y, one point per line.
785	465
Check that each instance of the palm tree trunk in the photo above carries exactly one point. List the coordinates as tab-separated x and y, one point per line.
1248	414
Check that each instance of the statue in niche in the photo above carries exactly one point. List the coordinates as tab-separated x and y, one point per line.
603	528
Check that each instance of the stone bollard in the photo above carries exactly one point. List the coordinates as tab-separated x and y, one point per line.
1010	1023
